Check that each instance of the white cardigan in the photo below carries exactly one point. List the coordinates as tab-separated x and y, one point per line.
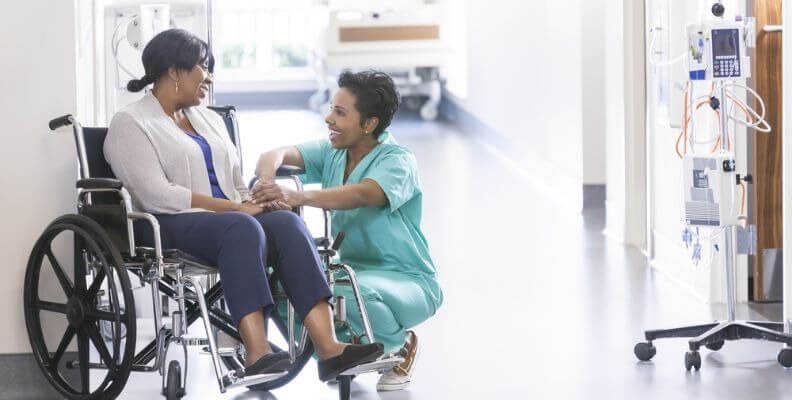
161	166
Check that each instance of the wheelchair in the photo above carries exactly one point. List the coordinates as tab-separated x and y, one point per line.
98	305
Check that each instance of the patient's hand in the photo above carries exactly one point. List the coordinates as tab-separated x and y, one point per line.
250	208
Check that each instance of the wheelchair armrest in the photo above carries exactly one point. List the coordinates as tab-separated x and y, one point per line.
289	170
99	183
284	171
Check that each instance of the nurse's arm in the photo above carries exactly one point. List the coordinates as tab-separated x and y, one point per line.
270	161
367	193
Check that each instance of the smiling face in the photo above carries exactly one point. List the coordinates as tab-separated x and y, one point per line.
344	122
194	84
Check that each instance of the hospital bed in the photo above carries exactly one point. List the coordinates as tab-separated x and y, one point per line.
404	39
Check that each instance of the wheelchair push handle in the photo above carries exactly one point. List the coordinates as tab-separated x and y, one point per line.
56	123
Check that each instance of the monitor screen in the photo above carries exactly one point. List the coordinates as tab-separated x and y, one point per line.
724	42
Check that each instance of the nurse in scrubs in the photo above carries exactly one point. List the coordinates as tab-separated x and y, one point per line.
371	185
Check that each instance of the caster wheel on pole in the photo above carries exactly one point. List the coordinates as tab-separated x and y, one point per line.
644	351
692	360
715	346
785	357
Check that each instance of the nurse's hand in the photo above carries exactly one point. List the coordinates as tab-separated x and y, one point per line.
275	206
255	209
265	192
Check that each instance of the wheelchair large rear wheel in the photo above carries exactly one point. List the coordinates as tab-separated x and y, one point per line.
76	287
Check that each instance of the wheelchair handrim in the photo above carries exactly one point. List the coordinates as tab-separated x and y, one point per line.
116	377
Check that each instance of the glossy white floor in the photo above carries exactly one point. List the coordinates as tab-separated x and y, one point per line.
539	304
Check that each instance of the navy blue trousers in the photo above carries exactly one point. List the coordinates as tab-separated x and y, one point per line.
242	246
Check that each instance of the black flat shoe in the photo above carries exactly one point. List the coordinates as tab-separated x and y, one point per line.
269	364
352	356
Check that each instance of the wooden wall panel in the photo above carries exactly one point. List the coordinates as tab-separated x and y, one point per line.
767	148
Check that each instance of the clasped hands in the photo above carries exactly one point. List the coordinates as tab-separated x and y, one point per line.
271	197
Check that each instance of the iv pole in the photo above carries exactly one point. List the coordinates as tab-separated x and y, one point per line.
714	335
209	40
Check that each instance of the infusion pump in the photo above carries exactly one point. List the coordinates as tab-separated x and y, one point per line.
718	51
710	183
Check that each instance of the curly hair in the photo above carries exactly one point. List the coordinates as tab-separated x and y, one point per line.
376	96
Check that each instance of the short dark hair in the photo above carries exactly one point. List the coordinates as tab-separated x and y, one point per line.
376	96
171	48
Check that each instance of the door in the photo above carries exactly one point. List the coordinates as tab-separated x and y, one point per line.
766	171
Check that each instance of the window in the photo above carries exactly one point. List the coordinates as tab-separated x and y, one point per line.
265	40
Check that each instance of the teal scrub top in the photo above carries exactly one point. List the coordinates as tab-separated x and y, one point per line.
385	237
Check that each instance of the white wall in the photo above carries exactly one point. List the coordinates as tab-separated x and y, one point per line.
625	122
524	81
38	79
787	159
593	91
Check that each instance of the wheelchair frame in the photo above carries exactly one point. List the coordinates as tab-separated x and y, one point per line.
170	272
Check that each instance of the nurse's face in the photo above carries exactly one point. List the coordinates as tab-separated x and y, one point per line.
343	120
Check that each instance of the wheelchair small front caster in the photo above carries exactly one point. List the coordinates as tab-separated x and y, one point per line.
692	360
785	357
174	389
715	346
344	387
644	351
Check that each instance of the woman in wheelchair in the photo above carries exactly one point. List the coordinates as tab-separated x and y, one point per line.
371	184
177	161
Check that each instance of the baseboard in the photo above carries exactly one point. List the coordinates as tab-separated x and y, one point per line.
538	171
21	378
593	196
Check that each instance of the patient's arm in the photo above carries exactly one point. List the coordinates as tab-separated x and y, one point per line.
364	194
219	205
270	161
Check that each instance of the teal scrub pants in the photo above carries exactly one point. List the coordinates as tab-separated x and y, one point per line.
395	302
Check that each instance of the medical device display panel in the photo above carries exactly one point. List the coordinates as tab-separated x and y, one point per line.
726	61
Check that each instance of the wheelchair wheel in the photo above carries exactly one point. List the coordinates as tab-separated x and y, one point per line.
174	390
62	308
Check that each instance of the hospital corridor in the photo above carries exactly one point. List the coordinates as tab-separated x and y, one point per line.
396	199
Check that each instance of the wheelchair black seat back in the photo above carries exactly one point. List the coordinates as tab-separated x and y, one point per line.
80	309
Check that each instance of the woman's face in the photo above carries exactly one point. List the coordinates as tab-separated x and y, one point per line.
343	121
194	84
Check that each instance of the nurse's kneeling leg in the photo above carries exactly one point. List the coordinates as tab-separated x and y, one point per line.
394	303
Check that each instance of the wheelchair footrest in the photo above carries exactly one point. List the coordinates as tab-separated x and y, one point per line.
232	379
375	366
192	341
221	351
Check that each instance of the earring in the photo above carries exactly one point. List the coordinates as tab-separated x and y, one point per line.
177	86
